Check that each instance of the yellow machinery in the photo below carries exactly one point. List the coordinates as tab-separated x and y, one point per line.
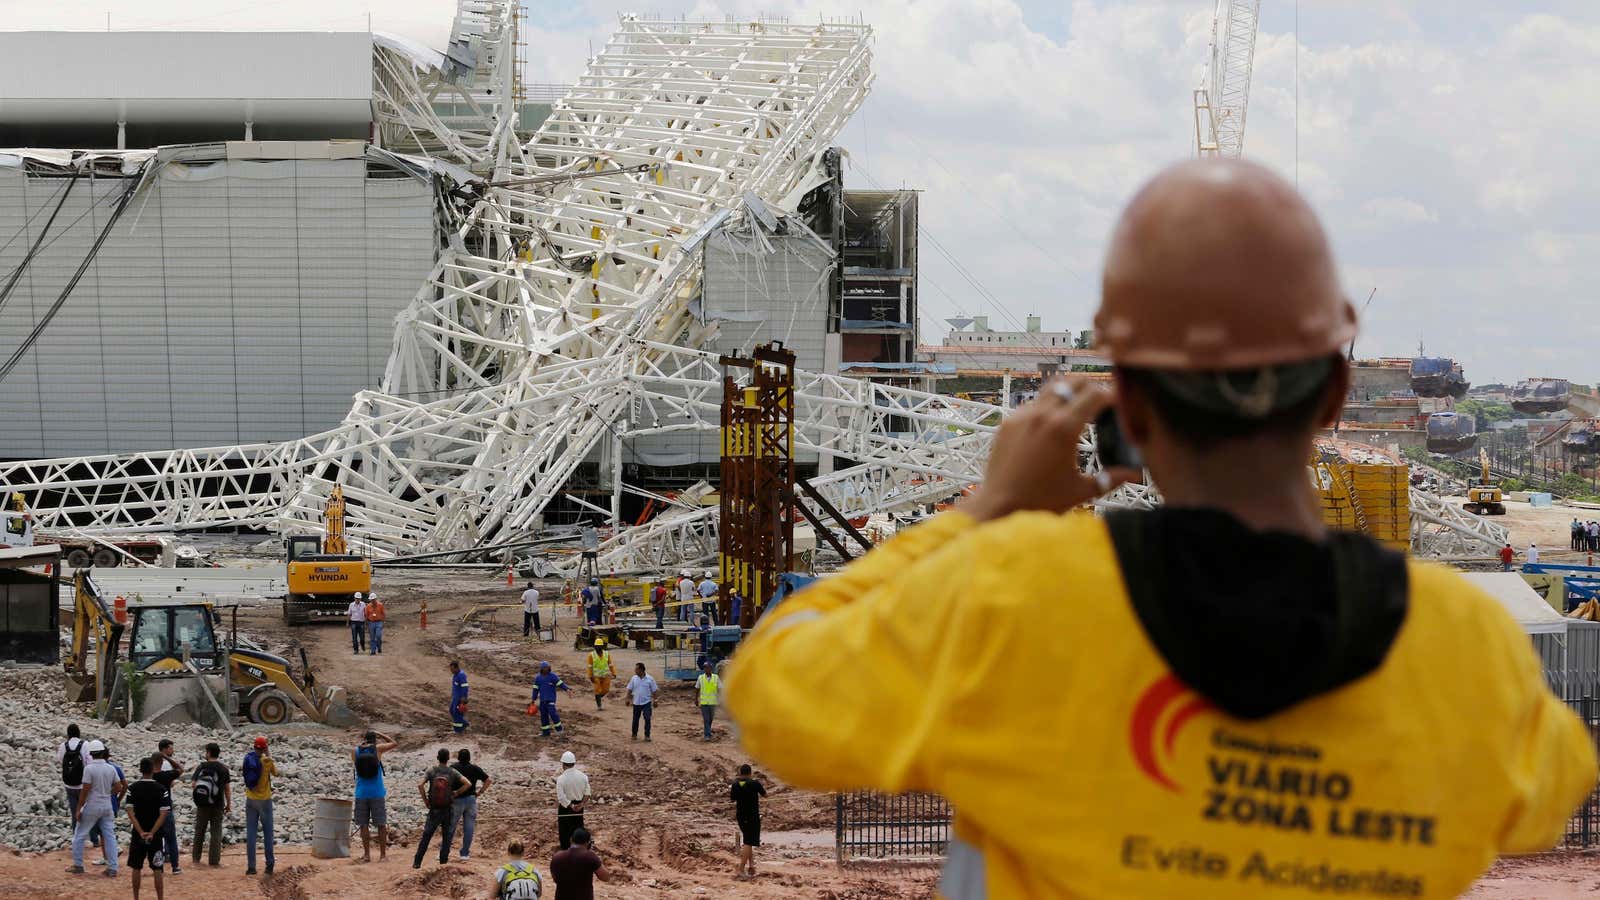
159	638
1484	498
323	575
268	691
1371	498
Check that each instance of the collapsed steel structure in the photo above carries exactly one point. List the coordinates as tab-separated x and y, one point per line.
561	315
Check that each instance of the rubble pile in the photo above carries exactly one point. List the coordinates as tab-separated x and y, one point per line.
33	807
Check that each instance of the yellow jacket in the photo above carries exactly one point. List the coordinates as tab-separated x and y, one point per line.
1002	667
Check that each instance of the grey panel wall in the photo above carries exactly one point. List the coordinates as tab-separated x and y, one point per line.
754	297
235	302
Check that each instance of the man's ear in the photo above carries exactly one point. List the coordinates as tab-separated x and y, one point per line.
1334	393
1133	409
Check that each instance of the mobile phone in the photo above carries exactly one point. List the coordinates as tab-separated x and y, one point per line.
1111	446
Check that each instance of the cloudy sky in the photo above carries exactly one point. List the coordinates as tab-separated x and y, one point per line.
1451	147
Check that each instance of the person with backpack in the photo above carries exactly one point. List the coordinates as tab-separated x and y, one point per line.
257	772
168	771
212	789
465	812
439	789
371	796
458	697
545	685
149	807
517	879
72	757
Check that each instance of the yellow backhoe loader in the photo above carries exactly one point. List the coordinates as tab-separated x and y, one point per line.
173	645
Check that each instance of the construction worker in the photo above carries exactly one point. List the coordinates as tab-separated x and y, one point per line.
708	691
1507	556
545	685
458	697
376	614
707	589
572	790
600	670
518	879
357	611
1241	702
530	611
594	599
658	603
687	591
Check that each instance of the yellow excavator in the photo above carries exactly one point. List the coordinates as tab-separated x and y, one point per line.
323	575
1484	498
175	644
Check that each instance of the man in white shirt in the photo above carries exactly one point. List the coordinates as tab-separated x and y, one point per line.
93	812
686	595
530	610
358	623
572	788
643	689
1533	554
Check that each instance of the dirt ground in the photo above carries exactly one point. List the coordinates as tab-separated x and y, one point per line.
661	817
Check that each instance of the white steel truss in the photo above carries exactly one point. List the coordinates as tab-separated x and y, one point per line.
1223	97
560	314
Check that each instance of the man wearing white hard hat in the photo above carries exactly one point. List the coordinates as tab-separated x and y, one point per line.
686	596
707	590
94	811
572	789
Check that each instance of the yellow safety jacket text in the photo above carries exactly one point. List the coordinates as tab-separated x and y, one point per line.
1003	667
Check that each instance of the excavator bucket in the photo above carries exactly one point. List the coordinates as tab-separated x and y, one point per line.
336	712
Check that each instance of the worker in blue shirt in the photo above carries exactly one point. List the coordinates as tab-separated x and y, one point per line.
458	697
594	599
545	685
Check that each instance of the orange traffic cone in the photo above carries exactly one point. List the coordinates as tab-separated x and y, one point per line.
424	614
509	581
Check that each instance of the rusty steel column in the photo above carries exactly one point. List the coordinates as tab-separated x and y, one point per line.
755	536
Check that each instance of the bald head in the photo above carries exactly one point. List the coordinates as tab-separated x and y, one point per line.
1220	265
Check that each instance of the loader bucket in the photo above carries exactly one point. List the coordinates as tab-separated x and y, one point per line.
337	713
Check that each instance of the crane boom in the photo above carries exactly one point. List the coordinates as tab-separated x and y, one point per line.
1224	93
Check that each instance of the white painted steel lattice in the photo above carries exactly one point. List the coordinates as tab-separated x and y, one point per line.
1221	100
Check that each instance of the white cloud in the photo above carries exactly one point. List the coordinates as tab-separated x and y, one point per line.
1449	147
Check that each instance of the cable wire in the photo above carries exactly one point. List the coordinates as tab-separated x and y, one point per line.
22	266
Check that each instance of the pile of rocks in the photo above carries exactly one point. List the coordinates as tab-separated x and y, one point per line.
33	807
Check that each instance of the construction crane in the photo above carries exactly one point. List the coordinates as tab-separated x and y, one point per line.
1224	92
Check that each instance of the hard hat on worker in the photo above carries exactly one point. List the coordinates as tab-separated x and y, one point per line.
261	743
359	595
569	759
1189	288
96	747
599	642
544	666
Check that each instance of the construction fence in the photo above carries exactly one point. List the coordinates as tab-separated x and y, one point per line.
908	827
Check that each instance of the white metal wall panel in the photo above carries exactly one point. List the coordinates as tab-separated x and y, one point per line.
20	409
234	302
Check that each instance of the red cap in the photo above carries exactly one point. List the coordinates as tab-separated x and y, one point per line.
261	743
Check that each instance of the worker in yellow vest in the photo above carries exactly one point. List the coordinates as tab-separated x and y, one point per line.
600	670
708	689
1232	700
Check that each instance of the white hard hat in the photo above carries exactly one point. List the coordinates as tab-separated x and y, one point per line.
567	758
684	573
97	746
710	574
358	595
373	595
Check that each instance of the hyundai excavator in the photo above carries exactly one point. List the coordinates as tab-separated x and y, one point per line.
174	644
1485	498
323	575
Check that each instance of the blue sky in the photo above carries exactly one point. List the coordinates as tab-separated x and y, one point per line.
1449	147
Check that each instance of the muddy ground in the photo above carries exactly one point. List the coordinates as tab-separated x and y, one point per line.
661	817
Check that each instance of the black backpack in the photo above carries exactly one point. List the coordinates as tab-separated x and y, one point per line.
207	789
72	763
367	762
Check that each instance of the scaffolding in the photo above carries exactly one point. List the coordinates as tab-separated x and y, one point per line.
756	527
